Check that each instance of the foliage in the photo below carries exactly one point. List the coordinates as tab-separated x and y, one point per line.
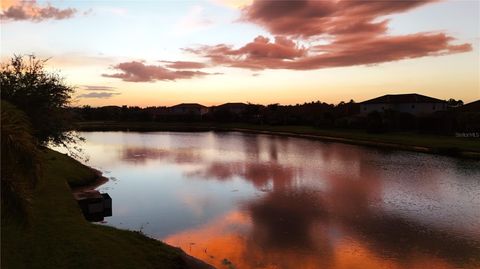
59	236
454	103
375	122
79	174
42	95
19	163
316	114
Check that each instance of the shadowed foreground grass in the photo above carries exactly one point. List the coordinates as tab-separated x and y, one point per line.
438	144
59	237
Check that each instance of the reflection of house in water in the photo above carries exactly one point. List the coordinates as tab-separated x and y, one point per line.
94	205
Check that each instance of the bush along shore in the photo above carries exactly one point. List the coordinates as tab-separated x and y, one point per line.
410	141
58	236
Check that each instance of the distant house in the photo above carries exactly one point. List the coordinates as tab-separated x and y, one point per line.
188	109
234	108
470	107
415	104
468	119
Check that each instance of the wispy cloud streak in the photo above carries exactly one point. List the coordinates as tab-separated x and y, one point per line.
100	95
136	71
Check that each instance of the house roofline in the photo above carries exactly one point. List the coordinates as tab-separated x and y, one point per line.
397	99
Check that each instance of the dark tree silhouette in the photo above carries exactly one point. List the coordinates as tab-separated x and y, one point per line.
42	95
454	103
20	162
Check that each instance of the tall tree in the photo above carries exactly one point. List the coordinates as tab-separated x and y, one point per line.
42	95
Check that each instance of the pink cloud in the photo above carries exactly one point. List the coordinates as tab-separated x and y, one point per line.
352	32
308	18
261	47
140	72
340	52
30	10
258	54
378	50
184	64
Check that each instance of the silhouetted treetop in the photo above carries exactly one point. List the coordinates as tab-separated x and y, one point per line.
42	95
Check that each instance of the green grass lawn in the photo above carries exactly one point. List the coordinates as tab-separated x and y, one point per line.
402	140
59	237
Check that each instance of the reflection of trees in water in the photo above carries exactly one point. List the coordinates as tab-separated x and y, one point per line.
291	220
140	155
286	223
389	235
285	219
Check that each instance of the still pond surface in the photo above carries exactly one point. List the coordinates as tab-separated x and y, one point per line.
240	200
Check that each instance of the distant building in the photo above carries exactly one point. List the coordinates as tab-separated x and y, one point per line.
234	108
188	109
415	104
468	120
470	107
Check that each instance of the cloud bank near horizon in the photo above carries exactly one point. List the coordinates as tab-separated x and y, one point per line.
97	88
100	95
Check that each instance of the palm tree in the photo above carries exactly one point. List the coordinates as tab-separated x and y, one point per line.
20	162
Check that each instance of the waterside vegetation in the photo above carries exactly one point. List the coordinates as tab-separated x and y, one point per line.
412	141
59	237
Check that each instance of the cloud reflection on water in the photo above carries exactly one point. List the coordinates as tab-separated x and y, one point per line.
313	205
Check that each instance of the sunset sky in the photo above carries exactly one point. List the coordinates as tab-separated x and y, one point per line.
152	53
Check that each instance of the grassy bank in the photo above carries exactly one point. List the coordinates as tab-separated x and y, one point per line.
438	144
59	237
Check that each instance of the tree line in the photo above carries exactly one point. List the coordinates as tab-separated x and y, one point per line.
343	115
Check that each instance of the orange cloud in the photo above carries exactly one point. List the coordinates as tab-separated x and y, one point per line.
30	10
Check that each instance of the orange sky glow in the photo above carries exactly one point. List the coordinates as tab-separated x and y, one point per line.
217	51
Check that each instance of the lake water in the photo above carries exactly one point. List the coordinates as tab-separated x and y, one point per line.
240	200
